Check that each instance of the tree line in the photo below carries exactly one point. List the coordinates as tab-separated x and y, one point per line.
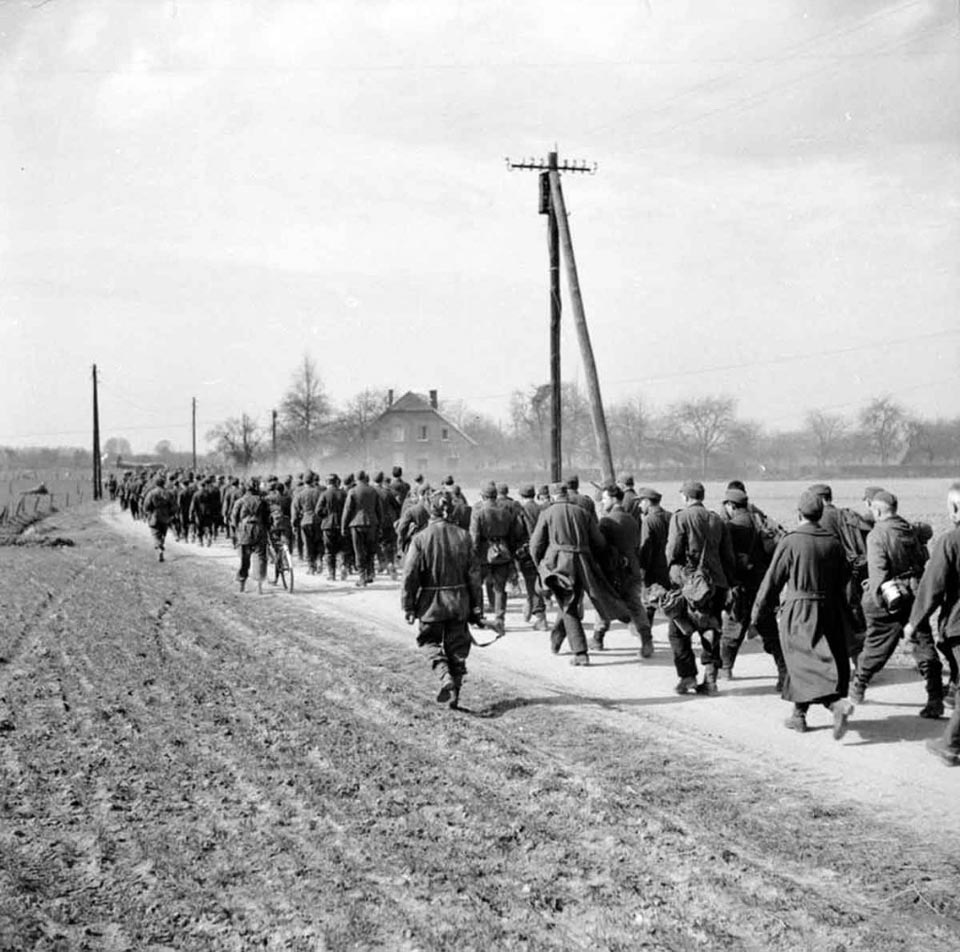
702	435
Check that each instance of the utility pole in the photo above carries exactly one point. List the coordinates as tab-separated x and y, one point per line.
551	205
583	334
193	429
97	473
274	435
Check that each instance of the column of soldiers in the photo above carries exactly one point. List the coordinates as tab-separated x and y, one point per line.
830	600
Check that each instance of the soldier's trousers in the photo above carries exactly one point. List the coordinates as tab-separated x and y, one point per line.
684	659
446	644
883	633
631	591
312	544
159	533
569	622
951	735
536	606
735	627
246	551
494	579
332	543
365	550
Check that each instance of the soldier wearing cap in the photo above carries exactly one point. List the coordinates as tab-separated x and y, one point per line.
362	518
400	487
577	498
851	530
160	509
535	610
441	588
414	516
280	506
497	535
203	508
231	493
698	540
631	502
387	548
895	562
567	548
251	516
622	534
328	517
810	568
462	513
303	513
654	531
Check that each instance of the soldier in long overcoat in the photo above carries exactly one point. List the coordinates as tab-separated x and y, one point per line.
810	569
567	548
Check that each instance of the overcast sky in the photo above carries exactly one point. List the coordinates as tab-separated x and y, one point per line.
195	194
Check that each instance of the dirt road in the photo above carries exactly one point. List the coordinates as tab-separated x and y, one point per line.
187	767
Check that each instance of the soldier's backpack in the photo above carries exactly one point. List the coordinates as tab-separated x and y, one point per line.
769	531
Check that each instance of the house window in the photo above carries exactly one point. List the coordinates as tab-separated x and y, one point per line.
398	433
445	435
422	434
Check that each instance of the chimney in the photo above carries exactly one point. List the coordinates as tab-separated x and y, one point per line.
390	398
433	399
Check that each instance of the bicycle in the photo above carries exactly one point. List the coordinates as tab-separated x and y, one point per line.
278	554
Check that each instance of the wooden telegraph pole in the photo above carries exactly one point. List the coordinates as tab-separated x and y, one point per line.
193	431
558	234
97	473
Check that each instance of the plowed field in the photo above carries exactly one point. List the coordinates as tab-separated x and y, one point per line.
186	767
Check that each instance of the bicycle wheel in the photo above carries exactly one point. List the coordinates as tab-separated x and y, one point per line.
285	564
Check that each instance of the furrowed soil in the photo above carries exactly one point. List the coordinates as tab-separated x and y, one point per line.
186	767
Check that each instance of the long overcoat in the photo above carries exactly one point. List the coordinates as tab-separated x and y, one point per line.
808	572
567	548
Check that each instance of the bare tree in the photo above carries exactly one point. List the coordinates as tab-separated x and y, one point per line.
304	412
704	425
828	431
238	440
629	422
530	415
117	446
885	423
352	429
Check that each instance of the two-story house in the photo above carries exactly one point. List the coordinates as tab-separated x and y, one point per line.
414	434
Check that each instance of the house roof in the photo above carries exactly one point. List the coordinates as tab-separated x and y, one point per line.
417	402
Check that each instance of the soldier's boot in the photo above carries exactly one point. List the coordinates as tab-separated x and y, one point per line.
797	721
447	686
781	673
950	695
708	686
728	656
243	583
599	632
932	675
557	635
540	623
858	689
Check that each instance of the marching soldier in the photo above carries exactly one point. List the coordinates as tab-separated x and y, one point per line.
441	588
